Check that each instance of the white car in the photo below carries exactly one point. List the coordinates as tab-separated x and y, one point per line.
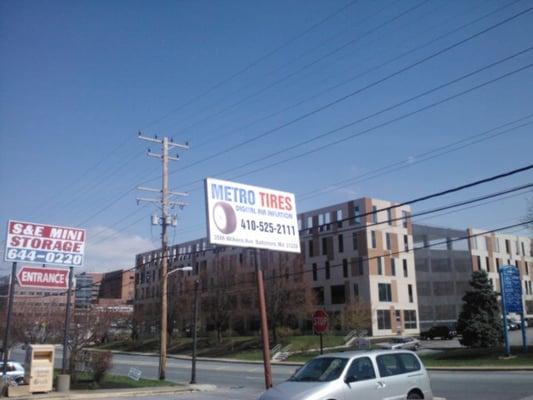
366	375
15	371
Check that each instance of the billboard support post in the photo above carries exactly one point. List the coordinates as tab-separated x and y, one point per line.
264	321
8	318
67	321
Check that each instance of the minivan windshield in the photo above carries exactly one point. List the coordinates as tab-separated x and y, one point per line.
321	369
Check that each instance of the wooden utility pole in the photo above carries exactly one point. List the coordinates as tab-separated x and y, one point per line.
165	221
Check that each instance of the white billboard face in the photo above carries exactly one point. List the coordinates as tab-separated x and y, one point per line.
250	216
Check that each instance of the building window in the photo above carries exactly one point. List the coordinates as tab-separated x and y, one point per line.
389	216
311	250
374	215
478	258
498	264
356	291
496	245
357	215
360	268
527	267
354	240
320	220
405	219
345	268
341	243
388	240
409	318
385	293
488	263
373	239
318	294
380	265
508	246
405	272
523	249
315	272
383	319
328	270
339	218
393	266
406	242
324	246
410	292
338	295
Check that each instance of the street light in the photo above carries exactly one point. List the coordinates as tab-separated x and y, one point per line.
193	371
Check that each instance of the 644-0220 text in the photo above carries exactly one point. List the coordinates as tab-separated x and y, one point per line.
268	227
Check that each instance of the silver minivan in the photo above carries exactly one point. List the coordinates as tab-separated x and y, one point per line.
368	375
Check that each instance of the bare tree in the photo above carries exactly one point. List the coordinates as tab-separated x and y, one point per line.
357	317
219	303
288	298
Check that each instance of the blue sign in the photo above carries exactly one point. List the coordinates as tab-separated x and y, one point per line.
511	288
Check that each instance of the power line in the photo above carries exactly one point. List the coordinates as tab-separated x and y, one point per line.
251	65
359	75
306	66
358	91
381	125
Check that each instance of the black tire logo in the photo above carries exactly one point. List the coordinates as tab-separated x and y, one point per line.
224	217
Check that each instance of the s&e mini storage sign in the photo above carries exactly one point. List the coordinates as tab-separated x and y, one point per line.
44	244
250	216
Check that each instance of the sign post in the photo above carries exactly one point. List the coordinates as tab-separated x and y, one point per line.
511	298
256	218
8	320
320	325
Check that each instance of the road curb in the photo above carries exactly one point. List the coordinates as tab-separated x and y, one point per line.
300	363
116	393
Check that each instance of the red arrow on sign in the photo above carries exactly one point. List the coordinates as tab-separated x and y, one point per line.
43	278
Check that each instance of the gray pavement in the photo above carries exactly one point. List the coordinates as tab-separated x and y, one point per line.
245	381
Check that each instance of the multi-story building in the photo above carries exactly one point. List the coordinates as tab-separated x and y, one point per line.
351	254
443	269
490	251
446	259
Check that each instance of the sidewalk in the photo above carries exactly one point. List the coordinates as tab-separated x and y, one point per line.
117	393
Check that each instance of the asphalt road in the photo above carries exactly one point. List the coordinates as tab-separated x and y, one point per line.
245	381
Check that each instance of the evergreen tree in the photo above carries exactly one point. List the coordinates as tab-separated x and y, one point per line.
480	322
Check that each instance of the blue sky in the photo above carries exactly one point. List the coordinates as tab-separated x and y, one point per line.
79	79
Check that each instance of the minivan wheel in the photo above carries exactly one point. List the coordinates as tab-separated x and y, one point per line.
414	396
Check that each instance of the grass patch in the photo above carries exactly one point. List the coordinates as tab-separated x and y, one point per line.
85	382
478	358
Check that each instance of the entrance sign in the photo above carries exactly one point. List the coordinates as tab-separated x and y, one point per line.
511	289
511	297
320	321
43	278
44	244
250	216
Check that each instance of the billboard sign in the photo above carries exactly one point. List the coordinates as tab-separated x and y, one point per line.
250	216
43	278
44	244
511	289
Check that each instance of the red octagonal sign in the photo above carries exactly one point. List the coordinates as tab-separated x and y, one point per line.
320	321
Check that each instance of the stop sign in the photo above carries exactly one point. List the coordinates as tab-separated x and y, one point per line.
320	321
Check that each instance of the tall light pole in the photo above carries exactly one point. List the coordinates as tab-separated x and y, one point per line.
166	220
194	331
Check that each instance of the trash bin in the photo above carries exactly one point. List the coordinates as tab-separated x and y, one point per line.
39	367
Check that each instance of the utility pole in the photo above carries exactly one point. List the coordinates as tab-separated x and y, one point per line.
165	221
